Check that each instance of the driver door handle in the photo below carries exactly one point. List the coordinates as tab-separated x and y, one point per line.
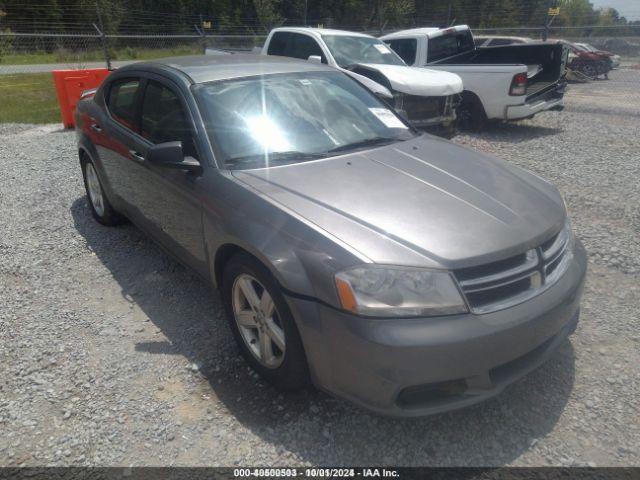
138	157
96	127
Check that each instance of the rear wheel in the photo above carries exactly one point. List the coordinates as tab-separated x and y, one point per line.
101	208
262	324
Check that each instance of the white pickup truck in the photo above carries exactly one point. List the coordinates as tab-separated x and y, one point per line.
426	98
503	83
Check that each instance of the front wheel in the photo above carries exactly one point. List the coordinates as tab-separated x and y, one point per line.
589	70
262	324
471	115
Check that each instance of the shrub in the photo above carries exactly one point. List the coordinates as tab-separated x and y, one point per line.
131	53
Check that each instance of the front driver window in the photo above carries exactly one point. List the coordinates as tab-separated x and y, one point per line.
164	119
122	102
406	48
303	46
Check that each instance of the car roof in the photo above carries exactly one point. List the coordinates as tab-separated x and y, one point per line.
321	31
430	32
208	68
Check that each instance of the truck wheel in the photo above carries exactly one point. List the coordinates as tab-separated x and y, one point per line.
471	115
262	324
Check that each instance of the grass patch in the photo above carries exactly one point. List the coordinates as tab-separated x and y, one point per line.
62	55
28	98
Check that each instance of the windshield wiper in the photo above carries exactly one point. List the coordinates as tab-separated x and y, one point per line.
368	142
293	156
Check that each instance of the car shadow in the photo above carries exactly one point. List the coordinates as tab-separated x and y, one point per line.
316	428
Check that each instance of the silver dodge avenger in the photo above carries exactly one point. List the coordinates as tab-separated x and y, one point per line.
388	267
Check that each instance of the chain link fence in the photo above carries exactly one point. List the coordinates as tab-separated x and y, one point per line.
27	59
43	52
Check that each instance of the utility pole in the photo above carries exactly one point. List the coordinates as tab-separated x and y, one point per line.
305	13
203	35
551	5
103	37
449	15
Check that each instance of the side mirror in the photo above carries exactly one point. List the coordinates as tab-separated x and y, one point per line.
315	59
170	155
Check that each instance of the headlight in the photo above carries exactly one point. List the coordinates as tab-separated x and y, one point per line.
388	291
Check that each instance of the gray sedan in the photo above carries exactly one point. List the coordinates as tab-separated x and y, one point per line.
391	268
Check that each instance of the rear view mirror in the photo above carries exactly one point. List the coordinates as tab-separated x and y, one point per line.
171	155
315	59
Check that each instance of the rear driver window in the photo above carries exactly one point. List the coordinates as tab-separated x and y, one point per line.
122	102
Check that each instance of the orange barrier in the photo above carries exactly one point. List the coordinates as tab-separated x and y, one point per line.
69	86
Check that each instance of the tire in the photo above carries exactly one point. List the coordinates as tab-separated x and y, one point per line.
99	204
471	115
589	70
449	132
286	369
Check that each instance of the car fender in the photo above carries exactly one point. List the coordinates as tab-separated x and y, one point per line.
287	244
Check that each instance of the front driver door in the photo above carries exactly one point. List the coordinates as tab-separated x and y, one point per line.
168	197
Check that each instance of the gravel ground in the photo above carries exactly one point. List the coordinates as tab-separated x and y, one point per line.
113	354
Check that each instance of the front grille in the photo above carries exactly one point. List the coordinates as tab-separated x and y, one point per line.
419	108
507	282
424	109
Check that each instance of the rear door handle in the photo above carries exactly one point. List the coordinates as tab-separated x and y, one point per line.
96	127
138	157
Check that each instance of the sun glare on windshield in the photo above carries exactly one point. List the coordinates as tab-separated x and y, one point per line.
268	135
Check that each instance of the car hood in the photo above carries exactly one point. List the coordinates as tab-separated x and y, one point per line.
419	81
424	202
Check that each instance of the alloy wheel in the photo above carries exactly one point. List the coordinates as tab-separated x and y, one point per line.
94	189
258	321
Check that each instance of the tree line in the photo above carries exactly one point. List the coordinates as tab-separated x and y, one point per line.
258	16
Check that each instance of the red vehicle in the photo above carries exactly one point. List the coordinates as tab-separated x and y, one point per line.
615	59
590	64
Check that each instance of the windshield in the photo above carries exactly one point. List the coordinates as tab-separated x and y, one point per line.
279	119
449	44
348	50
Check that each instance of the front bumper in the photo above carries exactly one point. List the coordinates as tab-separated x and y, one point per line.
421	366
427	112
550	100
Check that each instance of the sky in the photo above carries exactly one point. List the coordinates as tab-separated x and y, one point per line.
627	8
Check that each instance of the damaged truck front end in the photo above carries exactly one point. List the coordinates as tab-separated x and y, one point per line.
428	101
436	115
